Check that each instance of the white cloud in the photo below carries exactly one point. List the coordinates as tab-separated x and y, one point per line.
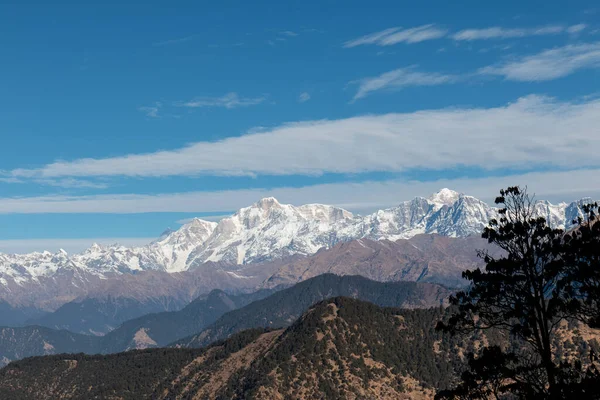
230	100
67	183
574	29
549	64
71	246
399	78
497	32
358	197
11	179
372	38
531	132
289	33
151	111
304	97
174	41
392	36
71	183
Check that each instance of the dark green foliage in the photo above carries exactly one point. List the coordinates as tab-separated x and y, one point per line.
30	341
131	375
341	331
403	340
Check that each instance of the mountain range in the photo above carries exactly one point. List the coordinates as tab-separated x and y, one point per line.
217	316
221	253
339	348
422	258
284	307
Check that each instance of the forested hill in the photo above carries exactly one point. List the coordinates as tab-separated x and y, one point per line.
340	346
275	311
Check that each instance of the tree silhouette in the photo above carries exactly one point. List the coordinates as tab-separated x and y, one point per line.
527	292
581	252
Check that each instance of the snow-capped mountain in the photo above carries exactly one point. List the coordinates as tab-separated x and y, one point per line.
269	230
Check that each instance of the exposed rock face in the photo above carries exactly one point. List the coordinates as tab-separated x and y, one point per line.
422	258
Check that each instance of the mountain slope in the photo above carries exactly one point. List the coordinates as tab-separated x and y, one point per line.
17	316
268	229
278	309
150	330
284	307
167	291
98	316
17	343
263	232
422	258
160	329
340	346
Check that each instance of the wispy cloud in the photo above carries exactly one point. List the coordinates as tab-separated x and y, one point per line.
174	41
230	100
151	111
574	29
497	32
10	179
396	35
360	197
548	64
71	183
67	183
400	78
422	33
288	33
304	97
531	132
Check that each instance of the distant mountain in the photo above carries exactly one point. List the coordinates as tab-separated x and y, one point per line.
282	308
166	291
17	343
151	330
160	329
17	316
422	258
260	309
262	232
98	316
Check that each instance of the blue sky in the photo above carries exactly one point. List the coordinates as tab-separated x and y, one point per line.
120	120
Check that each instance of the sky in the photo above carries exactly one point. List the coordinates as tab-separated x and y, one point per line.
119	120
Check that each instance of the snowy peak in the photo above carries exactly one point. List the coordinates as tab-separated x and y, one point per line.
269	230
324	213
267	203
444	197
